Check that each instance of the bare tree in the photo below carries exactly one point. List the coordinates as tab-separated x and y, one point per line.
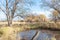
54	4
14	8
10	9
54	16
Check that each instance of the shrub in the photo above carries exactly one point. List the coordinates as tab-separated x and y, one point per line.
58	25
52	25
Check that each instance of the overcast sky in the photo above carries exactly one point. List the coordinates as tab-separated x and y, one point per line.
36	8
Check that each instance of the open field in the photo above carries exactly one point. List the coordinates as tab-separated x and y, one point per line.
21	22
12	23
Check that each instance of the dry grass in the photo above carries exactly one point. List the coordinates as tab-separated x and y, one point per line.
9	33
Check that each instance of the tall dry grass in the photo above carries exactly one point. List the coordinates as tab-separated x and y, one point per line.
9	33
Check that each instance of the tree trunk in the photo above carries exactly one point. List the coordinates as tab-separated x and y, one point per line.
7	13
9	22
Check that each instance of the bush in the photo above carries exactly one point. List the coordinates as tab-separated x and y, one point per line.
52	25
58	25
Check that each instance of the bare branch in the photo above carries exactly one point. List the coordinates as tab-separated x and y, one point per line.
2	10
14	7
18	15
